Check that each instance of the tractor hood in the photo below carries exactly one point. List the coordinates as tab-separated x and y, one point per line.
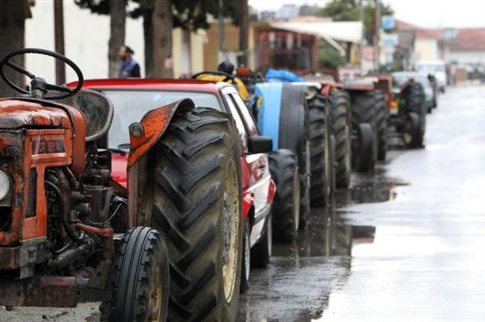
15	114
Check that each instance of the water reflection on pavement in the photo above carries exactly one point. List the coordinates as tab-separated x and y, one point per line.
300	278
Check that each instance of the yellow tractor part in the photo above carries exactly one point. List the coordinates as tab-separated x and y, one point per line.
215	78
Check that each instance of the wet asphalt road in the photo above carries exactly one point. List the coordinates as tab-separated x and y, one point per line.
406	243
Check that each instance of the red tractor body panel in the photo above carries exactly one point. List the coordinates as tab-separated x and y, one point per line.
60	142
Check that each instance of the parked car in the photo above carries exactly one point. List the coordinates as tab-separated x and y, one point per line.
437	68
134	97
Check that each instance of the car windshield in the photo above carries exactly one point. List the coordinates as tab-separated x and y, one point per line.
131	105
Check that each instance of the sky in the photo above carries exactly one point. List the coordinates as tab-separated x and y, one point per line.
424	13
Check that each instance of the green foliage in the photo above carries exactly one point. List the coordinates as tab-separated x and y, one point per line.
329	58
349	10
188	14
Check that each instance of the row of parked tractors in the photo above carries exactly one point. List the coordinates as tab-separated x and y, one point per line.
156	197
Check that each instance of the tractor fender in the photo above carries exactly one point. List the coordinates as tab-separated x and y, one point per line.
143	137
269	111
292	121
153	125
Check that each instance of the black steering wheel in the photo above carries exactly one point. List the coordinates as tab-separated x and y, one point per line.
215	72
39	87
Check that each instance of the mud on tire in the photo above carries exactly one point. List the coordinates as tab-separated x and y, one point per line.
195	200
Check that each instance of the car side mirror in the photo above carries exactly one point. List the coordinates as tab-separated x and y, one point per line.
260	144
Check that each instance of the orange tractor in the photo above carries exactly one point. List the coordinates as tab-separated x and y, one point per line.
69	233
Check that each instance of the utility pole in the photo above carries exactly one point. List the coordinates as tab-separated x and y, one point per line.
377	28
59	40
362	35
244	31
221	29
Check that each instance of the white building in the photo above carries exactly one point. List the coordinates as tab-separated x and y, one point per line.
86	42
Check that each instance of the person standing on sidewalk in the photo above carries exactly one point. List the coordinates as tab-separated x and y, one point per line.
128	66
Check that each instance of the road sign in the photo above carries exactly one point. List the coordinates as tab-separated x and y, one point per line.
388	23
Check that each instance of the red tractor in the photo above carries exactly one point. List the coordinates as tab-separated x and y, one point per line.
168	244
257	186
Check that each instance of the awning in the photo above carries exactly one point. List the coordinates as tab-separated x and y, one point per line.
347	31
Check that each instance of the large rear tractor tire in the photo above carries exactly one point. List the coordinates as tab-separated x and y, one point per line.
286	205
343	137
140	278
415	102
364	111
321	169
382	116
294	135
195	200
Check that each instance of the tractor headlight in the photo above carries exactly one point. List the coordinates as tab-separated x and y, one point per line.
5	185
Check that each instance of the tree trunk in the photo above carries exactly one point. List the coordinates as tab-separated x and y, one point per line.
117	34
59	40
148	35
12	28
162	19
244	31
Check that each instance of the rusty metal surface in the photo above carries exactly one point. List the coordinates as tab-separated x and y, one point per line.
15	114
33	252
12	161
56	291
105	232
154	123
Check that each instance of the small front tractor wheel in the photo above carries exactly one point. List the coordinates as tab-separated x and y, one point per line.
194	198
285	217
261	252
363	155
412	135
140	278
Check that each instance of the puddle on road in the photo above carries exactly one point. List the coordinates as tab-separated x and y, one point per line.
300	278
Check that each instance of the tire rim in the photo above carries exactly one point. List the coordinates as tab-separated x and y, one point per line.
296	199
231	231
155	300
